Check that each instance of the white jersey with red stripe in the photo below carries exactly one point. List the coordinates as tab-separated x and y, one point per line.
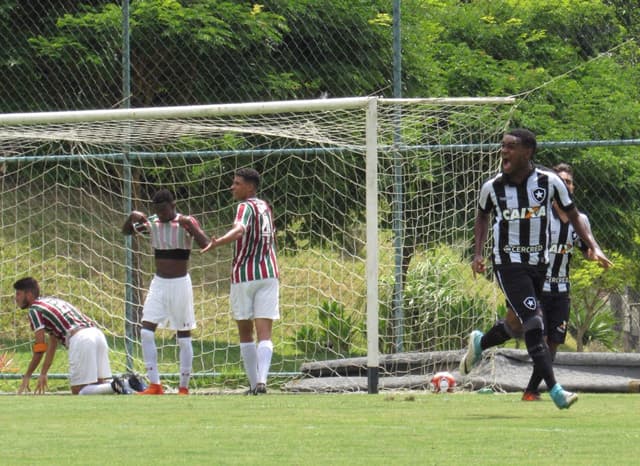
167	235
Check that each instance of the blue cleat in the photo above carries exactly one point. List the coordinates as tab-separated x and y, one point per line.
562	398
473	354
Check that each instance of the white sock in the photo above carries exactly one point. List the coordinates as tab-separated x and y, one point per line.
186	360
250	360
97	389
265	351
150	355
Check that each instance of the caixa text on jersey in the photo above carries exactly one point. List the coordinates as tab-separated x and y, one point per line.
524	213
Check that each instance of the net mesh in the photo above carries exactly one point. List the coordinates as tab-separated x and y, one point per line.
67	189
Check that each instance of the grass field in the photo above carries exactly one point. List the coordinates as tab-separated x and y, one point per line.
390	429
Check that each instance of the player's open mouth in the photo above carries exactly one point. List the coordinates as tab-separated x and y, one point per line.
506	164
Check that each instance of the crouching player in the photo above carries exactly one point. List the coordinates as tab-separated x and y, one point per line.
89	369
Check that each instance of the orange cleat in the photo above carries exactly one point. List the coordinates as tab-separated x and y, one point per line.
152	389
183	391
530	396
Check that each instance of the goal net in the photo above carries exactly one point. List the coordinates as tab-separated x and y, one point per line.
373	199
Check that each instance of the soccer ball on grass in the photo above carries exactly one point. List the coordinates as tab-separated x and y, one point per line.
443	382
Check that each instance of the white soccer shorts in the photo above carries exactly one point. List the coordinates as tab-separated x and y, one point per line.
257	299
88	357
169	303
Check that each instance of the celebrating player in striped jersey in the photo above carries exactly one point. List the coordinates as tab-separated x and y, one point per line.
520	199
89	367
254	276
555	292
169	302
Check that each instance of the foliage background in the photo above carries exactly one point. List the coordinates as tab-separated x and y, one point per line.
573	65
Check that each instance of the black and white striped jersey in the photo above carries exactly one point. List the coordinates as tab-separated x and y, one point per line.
521	215
562	241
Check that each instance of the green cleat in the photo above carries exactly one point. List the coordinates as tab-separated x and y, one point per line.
473	354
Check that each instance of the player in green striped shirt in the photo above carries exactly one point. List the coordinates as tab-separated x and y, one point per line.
254	276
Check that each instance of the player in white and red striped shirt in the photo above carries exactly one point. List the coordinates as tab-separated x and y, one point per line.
254	276
169	302
89	369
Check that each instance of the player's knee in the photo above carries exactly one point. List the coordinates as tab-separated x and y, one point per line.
147	335
533	323
513	332
149	326
268	344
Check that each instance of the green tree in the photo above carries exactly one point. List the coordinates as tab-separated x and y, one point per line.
220	50
508	47
591	287
28	83
61	54
441	302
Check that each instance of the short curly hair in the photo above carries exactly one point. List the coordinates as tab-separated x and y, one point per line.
250	175
161	196
28	284
527	138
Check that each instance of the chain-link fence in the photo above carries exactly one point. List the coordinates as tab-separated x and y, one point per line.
573	66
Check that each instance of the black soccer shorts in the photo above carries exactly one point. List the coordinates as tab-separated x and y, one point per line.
522	287
555	310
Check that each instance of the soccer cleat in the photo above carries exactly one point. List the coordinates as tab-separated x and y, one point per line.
562	398
261	389
183	391
531	396
473	354
250	391
136	383
118	386
152	389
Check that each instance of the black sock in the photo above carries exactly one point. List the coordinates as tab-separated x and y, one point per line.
540	355
536	377
497	335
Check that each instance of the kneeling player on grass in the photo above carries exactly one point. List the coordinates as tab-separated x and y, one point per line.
89	369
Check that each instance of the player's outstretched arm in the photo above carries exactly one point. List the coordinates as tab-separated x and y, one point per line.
480	230
39	349
233	234
211	245
42	385
584	232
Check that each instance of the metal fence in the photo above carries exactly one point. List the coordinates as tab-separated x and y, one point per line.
573	68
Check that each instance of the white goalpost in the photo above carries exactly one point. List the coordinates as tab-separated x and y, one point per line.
373	199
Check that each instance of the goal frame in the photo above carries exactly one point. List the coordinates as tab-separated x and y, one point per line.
367	104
